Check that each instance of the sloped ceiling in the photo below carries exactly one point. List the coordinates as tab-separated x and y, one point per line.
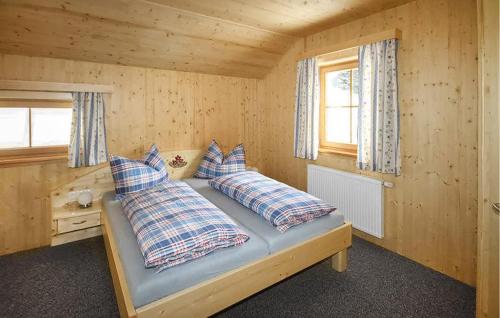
243	38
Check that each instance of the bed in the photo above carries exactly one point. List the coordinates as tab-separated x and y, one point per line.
274	239
207	285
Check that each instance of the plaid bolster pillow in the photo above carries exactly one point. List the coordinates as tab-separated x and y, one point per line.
280	204
136	175
214	164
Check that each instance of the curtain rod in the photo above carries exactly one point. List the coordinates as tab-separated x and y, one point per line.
54	86
362	40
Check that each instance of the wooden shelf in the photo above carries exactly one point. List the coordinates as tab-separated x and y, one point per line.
73	210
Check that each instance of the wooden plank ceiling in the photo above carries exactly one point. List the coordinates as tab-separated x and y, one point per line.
243	38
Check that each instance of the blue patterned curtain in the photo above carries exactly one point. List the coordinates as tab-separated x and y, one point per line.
378	116
87	145
307	109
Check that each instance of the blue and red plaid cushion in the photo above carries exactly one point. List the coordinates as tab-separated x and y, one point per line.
280	204
136	175
175	224
214	164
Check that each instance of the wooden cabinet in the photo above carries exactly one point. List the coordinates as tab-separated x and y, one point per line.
71	223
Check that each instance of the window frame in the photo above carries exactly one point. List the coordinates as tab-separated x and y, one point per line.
334	147
33	154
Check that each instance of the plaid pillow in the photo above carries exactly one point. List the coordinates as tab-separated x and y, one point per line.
214	153
136	175
175	224
280	204
214	164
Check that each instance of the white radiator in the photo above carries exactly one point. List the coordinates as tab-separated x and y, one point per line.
360	199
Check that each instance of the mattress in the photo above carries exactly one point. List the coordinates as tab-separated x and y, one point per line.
274	239
146	285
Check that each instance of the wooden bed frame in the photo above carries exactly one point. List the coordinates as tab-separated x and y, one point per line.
215	294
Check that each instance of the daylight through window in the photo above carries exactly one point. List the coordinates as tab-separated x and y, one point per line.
34	126
339	107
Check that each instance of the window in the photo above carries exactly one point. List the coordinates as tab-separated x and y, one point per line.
34	127
339	108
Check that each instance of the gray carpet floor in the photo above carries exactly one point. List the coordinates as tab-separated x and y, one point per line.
73	280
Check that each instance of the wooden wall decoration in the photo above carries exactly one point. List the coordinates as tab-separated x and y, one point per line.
431	213
176	110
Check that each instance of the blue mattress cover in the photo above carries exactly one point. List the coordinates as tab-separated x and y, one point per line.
146	286
275	239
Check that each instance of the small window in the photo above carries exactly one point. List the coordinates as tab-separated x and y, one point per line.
14	127
339	108
34	126
50	126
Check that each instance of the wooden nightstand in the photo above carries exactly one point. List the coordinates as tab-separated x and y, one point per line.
71	223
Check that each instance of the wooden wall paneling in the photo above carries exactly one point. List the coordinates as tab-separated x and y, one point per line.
434	192
213	94
248	123
222	106
126	120
463	101
487	301
171	109
253	117
146	106
430	212
24	212
277	94
189	108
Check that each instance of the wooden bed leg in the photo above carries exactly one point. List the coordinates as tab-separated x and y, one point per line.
339	261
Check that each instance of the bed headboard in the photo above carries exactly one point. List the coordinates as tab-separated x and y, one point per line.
184	168
100	181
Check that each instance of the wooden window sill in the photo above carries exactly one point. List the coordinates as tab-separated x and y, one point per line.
34	155
339	151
